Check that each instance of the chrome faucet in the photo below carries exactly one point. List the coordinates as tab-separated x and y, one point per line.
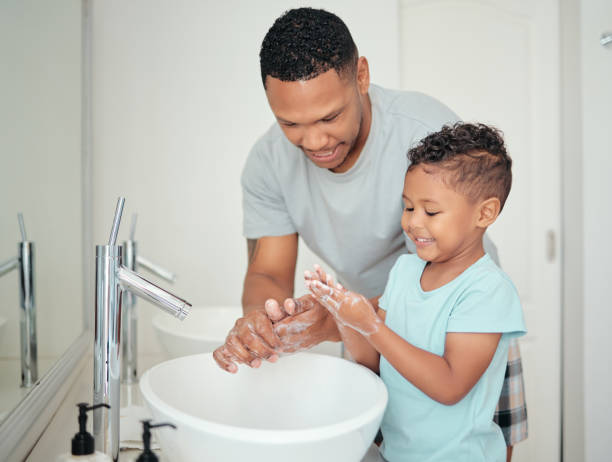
129	325
24	263
113	280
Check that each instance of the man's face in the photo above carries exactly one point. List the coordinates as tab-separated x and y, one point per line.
322	116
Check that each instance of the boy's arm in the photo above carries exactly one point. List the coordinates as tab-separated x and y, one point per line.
358	346
446	379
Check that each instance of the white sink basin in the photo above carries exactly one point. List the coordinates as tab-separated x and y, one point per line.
202	331
304	408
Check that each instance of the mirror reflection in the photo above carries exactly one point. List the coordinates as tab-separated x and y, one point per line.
40	178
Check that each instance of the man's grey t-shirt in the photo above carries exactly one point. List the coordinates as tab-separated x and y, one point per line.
350	220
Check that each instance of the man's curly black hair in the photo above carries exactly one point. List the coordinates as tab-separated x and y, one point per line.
471	157
304	43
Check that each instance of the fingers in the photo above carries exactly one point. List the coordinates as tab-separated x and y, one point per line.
323	276
330	297
261	326
224	360
295	306
251	340
273	310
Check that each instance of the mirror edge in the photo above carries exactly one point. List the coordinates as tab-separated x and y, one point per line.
23	426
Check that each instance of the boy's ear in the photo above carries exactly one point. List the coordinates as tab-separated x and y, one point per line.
488	211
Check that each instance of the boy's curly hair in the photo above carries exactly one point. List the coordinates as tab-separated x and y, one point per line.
472	158
304	43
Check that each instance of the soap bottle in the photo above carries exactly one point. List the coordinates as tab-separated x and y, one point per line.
83	442
148	455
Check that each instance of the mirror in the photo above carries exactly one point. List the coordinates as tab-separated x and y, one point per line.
41	177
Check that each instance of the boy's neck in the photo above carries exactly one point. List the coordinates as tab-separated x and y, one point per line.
437	274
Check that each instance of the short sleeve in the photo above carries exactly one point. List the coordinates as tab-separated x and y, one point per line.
263	207
402	270
490	304
384	300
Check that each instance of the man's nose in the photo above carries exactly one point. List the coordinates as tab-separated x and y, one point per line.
314	139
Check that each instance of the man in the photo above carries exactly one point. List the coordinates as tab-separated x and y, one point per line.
331	170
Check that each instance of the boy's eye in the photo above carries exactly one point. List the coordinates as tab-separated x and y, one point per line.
431	214
409	209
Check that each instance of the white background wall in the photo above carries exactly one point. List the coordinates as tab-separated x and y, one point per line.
177	104
596	77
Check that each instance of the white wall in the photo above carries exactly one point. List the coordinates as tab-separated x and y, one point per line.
596	17
177	104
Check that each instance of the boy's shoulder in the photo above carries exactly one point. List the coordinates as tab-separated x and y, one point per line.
486	275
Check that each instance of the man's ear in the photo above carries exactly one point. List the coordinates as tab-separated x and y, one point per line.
363	75
488	211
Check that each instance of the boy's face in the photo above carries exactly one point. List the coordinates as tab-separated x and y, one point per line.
443	224
323	116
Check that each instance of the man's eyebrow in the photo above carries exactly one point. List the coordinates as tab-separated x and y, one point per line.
332	113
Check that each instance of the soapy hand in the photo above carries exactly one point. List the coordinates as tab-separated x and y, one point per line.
251	339
297	324
348	308
304	324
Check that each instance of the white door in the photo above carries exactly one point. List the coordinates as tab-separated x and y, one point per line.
497	62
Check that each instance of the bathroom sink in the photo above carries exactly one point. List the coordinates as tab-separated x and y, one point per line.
205	329
201	332
306	407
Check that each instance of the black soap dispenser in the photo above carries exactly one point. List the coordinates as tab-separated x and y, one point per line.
148	455
83	443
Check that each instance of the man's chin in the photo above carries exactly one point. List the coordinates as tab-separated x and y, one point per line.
333	162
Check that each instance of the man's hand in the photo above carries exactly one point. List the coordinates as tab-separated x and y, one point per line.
297	324
251	339
302	323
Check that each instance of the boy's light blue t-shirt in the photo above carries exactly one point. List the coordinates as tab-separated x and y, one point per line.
481	299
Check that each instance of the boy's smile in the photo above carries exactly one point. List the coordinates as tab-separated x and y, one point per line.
442	223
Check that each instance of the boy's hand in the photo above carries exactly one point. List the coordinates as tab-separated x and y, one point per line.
350	309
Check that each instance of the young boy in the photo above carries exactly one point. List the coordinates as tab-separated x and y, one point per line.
439	338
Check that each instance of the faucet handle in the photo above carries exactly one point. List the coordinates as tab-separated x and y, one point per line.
116	222
22	227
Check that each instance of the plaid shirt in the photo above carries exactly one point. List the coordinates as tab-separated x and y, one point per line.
511	412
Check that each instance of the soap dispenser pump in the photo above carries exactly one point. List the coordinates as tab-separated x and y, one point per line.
148	455
83	443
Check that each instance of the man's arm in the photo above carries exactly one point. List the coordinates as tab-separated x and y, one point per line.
270	271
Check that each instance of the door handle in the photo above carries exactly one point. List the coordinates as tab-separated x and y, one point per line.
606	38
551	246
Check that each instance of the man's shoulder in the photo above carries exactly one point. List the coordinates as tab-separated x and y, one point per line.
412	107
271	152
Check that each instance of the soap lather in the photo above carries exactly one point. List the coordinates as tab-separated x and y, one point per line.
83	442
148	455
